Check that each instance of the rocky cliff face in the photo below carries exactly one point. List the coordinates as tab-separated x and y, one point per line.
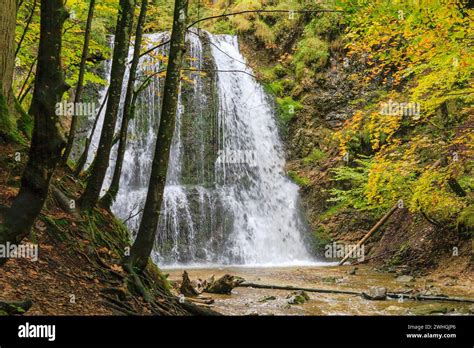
329	96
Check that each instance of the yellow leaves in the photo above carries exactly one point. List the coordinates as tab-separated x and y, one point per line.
432	195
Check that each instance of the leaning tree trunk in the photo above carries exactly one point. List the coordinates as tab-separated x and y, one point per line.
128	108
47	141
122	41
80	82
7	63
141	249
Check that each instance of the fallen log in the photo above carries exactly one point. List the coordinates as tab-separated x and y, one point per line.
11	308
390	295
372	230
396	295
292	288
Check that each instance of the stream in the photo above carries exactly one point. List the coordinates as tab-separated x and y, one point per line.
250	301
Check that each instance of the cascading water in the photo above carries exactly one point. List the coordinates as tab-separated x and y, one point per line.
227	199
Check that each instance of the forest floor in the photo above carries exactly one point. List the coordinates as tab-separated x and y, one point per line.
61	281
77	262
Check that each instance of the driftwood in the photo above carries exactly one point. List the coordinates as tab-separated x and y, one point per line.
372	230
187	288
200	300
223	285
391	295
11	308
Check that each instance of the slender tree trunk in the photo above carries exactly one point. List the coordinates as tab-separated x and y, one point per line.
144	242
128	109
83	159
101	163
20	94
28	22
80	82
7	63
47	141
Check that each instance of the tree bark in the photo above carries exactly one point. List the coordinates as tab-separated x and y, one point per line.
122	41
7	63
143	245
128	109
80	82
47	141
83	159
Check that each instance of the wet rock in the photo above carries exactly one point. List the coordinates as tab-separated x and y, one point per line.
432	308
297	297
375	293
267	298
432	290
404	279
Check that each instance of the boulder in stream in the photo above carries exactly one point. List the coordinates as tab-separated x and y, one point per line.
297	297
375	293
404	279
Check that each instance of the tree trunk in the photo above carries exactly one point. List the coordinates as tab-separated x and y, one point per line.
122	41
27	25
47	141
83	159
80	82
7	63
128	109
144	242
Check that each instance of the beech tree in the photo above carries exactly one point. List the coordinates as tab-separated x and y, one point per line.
122	42
128	109
7	63
47	141
143	245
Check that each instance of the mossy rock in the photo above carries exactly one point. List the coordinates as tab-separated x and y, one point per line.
297	297
331	280
430	309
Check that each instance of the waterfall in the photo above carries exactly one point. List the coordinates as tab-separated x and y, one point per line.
227	199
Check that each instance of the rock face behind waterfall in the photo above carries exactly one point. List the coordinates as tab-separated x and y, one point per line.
227	198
